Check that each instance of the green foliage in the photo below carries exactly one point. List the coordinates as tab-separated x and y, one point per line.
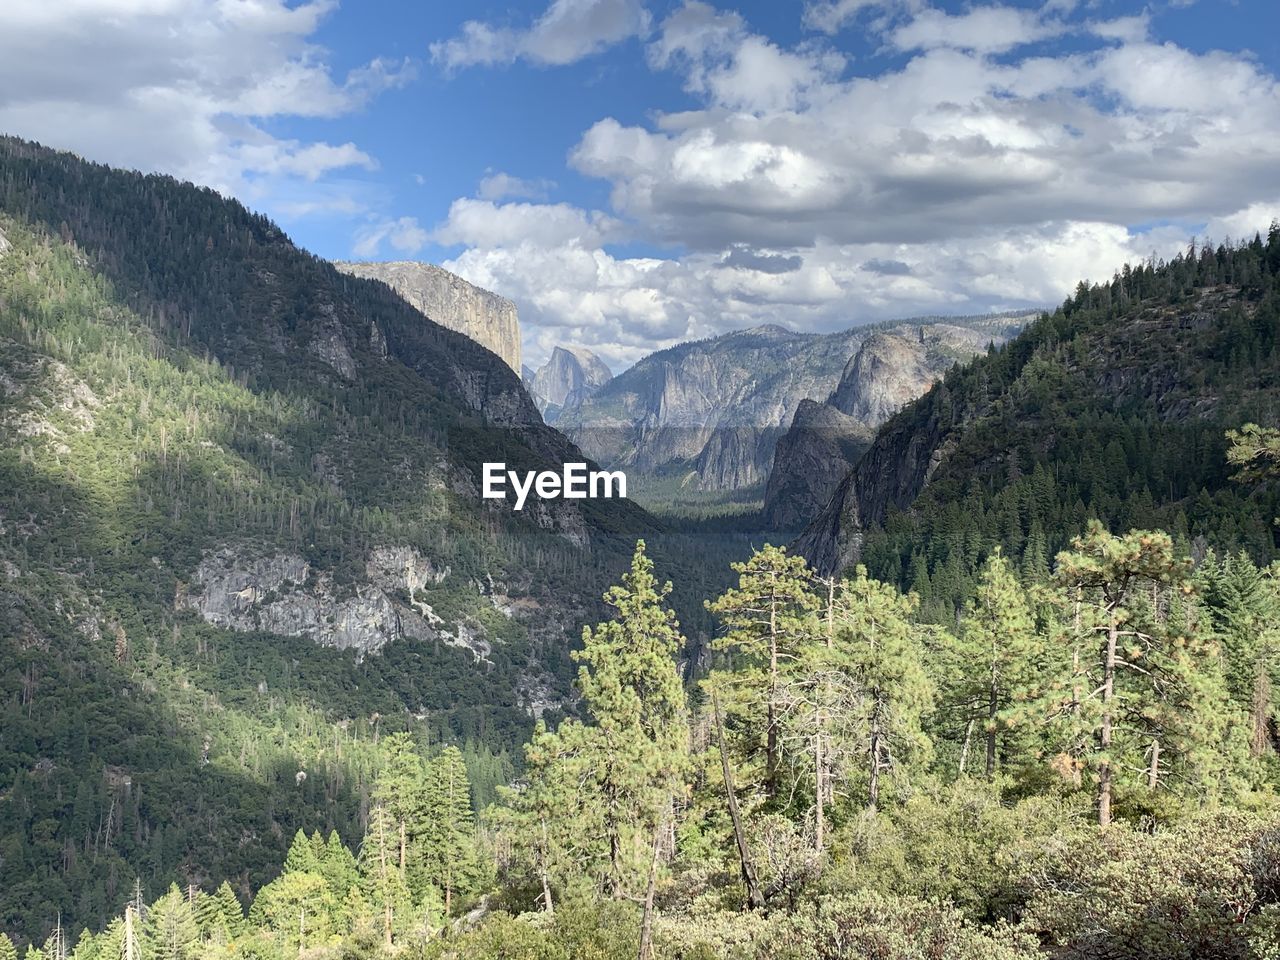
1202	889
170	931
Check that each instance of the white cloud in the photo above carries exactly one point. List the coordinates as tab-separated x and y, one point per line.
182	86
830	16
483	223
988	29
953	183
1134	29
739	70
625	308
503	186
567	31
403	235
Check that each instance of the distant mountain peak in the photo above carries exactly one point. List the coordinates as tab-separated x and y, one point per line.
570	376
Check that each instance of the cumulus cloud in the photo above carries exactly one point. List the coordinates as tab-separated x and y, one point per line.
740	70
566	32
979	173
483	223
991	29
182	86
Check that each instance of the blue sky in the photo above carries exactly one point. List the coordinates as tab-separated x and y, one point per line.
637	173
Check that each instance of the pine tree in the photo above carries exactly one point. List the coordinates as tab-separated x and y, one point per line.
449	841
170	931
1118	658
997	634
7	950
398	788
299	907
301	857
1245	603
382	885
339	867
86	948
226	913
633	693
768	620
882	650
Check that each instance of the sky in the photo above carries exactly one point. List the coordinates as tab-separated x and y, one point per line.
634	173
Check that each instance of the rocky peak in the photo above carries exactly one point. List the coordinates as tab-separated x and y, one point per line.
887	372
450	301
570	376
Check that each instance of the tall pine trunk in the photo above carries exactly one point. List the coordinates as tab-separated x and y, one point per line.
755	899
1108	701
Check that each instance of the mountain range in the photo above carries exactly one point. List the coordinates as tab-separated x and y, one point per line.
711	411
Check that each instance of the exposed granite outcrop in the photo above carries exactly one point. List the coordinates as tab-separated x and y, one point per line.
281	593
569	377
825	440
718	407
452	302
810	461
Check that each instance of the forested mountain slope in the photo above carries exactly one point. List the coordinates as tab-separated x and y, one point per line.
1112	407
241	537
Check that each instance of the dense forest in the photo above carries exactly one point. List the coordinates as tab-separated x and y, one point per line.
1085	765
1114	407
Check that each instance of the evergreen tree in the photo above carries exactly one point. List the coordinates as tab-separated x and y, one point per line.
882	650
633	693
999	647
297	906
1122	656
768	620
449	839
339	867
383	886
398	789
170	931
301	857
7	949
1245	604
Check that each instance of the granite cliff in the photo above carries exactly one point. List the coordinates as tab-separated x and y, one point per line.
569	377
450	301
825	440
713	410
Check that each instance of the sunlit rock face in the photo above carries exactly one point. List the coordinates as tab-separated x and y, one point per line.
452	302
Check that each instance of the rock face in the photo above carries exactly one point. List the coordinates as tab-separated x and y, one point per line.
825	440
886	373
810	460
713	410
281	593
452	302
569	377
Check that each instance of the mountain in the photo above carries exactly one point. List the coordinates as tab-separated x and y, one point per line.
241	538
825	440
1114	406
485	317
569	377
714	409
